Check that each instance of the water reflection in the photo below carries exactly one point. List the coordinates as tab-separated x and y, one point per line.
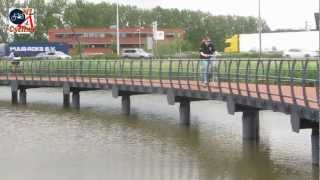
315	172
43	141
255	163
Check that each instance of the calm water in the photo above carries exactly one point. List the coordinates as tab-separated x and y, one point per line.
43	141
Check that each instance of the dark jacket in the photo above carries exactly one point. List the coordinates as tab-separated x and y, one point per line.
206	49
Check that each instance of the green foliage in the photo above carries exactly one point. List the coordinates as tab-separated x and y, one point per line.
113	47
253	55
196	23
79	48
60	13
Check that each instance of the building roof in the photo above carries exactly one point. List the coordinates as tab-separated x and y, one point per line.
114	30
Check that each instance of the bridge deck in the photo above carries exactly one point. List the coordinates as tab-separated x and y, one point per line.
302	96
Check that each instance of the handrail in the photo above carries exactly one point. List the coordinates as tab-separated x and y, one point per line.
282	80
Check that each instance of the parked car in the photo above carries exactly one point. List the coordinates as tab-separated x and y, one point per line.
12	57
52	55
298	53
135	53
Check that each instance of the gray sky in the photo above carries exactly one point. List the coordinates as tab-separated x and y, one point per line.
277	13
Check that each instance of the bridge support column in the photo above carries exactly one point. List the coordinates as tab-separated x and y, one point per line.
66	100
250	124
315	146
14	92
184	110
76	99
23	96
125	103
66	96
125	98
14	97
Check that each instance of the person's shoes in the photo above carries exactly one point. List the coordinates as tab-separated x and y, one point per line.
204	83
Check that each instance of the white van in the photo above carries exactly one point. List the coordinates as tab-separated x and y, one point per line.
135	53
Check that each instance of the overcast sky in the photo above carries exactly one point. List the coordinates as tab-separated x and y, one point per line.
277	13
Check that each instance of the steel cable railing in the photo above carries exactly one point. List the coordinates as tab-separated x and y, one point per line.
279	80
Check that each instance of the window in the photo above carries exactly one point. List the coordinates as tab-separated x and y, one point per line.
85	35
100	45
91	35
130	51
59	35
169	36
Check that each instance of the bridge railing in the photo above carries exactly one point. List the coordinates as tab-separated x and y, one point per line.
293	81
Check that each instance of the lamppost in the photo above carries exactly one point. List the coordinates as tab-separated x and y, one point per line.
139	36
77	39
260	30
118	34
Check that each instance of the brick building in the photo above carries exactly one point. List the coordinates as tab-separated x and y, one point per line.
96	41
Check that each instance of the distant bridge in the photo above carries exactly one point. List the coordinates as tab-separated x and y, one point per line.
246	85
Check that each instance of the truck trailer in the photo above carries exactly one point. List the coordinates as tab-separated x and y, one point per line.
273	42
31	49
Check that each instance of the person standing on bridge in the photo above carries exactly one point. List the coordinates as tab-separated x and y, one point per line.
207	51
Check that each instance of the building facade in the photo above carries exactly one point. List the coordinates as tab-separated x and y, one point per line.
98	41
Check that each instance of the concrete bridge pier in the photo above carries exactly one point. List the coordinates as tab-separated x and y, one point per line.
250	119
125	98
315	153
14	97
250	124
14	92
66	100
23	96
125	104
298	123
184	106
66	96
184	110
315	147
76	99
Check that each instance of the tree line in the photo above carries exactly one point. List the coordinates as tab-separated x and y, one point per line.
61	13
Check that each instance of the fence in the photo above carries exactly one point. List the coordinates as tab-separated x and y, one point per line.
293	81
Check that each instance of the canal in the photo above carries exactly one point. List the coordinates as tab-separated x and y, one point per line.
45	141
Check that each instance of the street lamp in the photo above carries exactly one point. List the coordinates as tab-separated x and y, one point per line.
76	37
139	31
118	34
260	29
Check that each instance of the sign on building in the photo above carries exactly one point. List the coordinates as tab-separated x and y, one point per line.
21	20
149	43
159	35
33	48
